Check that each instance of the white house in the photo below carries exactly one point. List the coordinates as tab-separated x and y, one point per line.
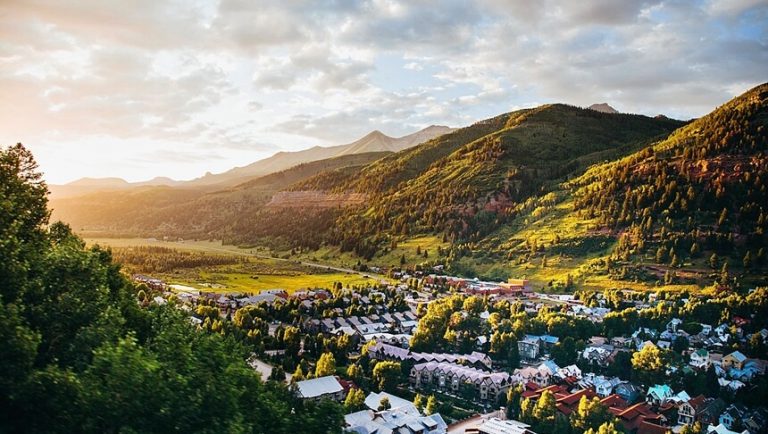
673	324
700	359
320	388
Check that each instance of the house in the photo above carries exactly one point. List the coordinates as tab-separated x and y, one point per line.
716	359
619	341
627	391
531	375
373	400
756	420
734	360
382	351
597	355
395	420
495	425
604	386
722	429
487	386
673	324
659	394
700	359
732	417
320	388
710	414
687	412
639	418
528	348
569	373
550	367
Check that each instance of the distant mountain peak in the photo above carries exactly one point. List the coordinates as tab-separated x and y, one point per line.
99	182
376	133
603	108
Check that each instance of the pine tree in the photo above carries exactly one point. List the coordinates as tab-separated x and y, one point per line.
695	250
748	260
714	261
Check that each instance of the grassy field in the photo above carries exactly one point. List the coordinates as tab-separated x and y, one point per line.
239	282
408	247
205	246
247	277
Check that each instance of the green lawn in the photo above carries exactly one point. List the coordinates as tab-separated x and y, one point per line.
287	275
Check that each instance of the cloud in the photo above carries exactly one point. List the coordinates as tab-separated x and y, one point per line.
239	79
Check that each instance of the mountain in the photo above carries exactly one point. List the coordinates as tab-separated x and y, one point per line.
375	141
603	108
187	212
462	184
569	198
556	193
85	186
686	210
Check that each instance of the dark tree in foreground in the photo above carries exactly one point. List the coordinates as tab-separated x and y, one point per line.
80	354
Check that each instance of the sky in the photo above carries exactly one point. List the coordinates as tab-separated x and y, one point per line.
145	88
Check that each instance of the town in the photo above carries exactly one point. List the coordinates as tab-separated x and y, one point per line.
440	354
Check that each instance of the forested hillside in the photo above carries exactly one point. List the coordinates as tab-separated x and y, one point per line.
80	354
658	208
464	184
688	210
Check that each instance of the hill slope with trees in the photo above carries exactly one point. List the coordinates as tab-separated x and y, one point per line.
81	355
689	209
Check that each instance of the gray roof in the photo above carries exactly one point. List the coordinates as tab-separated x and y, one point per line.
319	386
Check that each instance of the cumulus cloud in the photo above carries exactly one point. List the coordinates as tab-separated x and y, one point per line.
228	82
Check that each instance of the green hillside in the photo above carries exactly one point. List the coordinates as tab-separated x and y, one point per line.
571	198
674	213
466	183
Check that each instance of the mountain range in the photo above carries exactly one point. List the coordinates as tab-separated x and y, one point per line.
555	193
375	141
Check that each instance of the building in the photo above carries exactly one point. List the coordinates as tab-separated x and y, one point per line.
320	388
382	351
689	412
659	394
734	360
757	420
722	429
627	391
673	324
495	425
700	359
733	415
396	420
460	379
373	400
529	348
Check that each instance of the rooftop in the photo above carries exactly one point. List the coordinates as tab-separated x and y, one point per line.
319	386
